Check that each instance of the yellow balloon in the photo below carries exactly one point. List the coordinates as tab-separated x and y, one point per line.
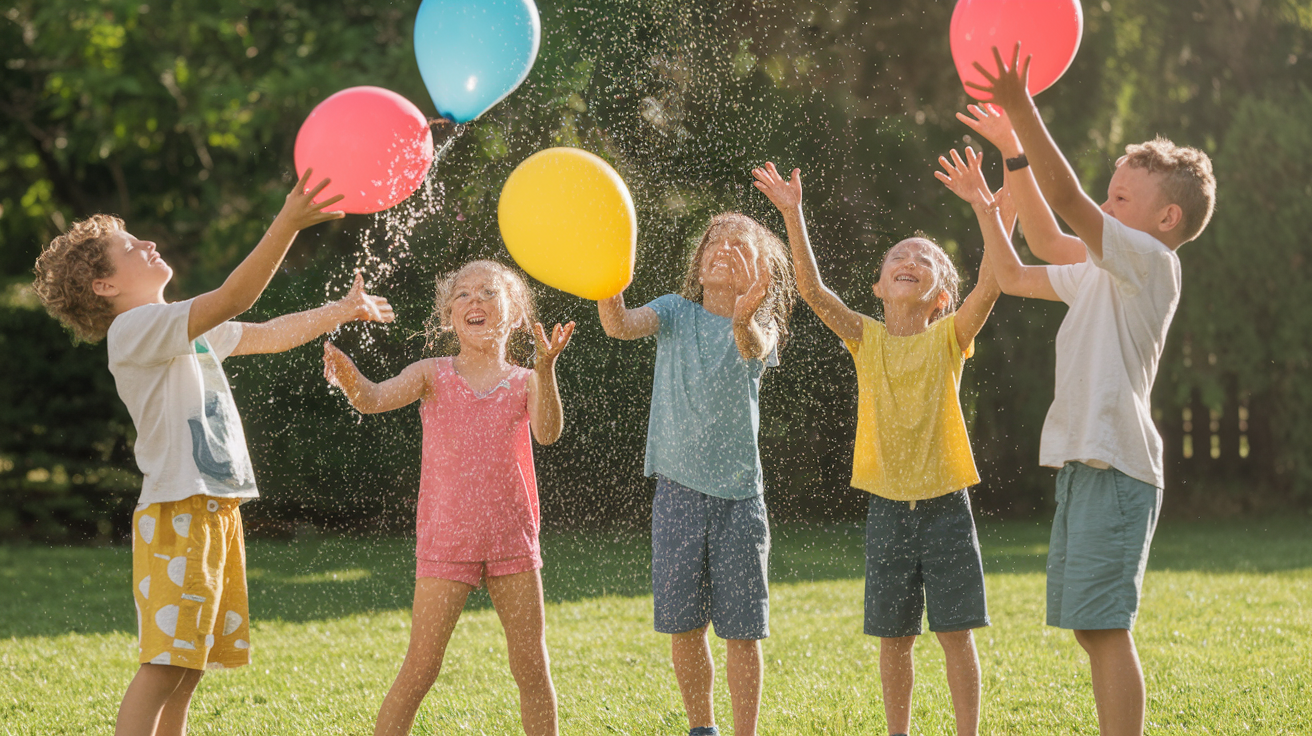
568	220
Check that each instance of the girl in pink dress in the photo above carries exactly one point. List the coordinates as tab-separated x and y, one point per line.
478	498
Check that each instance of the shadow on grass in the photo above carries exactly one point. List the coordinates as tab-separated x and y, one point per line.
47	591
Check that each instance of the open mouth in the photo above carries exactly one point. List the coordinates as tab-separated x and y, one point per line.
477	320
907	278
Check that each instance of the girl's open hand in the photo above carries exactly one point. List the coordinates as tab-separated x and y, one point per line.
751	282
786	195
549	349
358	305
1007	85
992	124
301	211
965	178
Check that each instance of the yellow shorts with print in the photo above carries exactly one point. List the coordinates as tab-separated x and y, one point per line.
189	582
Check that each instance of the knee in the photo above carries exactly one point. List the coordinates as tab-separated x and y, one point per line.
896	645
956	641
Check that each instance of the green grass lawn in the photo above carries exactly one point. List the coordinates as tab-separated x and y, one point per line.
1225	635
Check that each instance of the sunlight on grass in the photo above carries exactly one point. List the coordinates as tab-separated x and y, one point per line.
1224	636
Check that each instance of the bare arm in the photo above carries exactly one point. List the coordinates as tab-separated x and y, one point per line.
372	398
247	281
626	324
1042	234
291	330
751	284
1056	180
546	416
787	196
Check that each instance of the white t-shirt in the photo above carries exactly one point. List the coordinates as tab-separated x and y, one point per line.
189	437
1108	348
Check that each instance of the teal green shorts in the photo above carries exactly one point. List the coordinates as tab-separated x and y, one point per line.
1099	548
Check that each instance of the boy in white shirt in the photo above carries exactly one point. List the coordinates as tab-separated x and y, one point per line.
188	558
1121	278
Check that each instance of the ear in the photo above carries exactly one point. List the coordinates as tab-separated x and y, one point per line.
101	287
879	293
942	301
1169	216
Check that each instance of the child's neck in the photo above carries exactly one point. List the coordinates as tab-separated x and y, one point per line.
123	302
902	319
481	358
719	300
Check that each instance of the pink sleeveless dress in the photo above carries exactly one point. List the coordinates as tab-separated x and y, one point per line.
478	493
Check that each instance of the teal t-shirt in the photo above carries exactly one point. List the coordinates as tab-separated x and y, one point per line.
705	410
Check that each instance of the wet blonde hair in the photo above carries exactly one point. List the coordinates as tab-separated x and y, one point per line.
66	269
523	311
946	278
782	292
1187	180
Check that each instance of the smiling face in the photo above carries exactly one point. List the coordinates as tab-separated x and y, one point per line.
480	308
910	275
1134	197
140	273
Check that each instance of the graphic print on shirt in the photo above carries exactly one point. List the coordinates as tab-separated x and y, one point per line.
217	443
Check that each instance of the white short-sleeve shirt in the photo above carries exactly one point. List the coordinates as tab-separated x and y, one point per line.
1108	349
189	437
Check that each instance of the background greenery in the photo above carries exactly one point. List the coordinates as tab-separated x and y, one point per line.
181	116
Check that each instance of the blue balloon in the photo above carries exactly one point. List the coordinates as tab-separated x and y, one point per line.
472	53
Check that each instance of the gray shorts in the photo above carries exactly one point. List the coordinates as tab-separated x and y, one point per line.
926	557
1099	548
709	563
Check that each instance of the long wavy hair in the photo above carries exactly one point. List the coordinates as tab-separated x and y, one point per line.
782	293
439	332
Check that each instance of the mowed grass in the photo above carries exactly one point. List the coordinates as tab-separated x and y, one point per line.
1224	637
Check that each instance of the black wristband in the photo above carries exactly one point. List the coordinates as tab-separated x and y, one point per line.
1017	163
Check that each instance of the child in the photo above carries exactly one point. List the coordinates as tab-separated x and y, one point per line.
478	499
912	454
188	558
1122	285
710	534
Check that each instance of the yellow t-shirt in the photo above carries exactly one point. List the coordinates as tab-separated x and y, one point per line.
911	439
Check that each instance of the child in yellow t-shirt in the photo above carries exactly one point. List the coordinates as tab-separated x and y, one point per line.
912	454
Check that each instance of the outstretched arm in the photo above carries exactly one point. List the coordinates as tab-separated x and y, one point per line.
366	396
290	330
546	416
787	196
626	324
1000	259
247	281
1057	181
1045	238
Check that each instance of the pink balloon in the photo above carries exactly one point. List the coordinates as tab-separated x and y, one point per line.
1049	30
373	143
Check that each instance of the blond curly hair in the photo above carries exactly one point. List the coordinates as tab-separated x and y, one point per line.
523	310
782	293
66	269
1187	179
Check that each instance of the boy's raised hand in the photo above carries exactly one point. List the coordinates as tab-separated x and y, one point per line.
1008	85
786	195
360	306
549	349
965	178
301	211
992	124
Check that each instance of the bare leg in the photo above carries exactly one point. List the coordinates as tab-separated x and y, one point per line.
437	608
150	692
745	671
962	664
1117	680
518	600
897	675
695	671
173	719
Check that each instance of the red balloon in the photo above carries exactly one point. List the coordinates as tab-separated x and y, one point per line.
1049	30
373	143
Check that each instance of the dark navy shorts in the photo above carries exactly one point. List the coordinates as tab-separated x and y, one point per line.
923	558
709	563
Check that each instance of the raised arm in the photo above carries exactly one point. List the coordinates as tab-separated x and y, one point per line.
290	330
626	324
1056	180
787	196
1042	234
751	285
546	416
1000	260
247	281
366	396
